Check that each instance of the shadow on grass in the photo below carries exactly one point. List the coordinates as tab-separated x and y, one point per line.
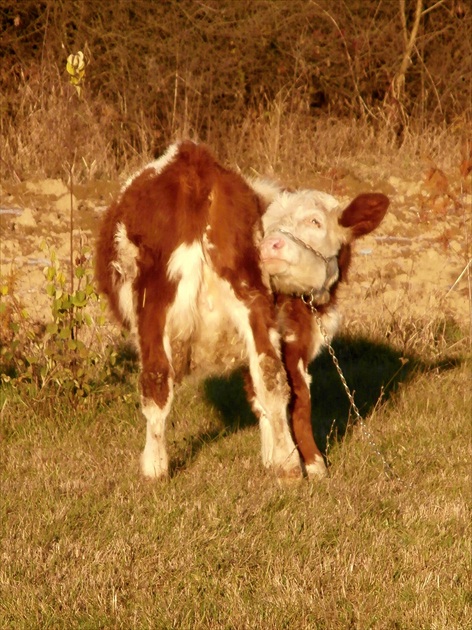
227	396
373	372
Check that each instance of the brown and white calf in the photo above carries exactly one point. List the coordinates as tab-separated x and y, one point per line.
210	271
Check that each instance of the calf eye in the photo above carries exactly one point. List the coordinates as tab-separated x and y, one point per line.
316	222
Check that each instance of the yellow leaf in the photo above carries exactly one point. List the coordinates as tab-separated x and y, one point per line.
70	68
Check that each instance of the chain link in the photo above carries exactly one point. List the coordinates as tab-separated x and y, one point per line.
387	467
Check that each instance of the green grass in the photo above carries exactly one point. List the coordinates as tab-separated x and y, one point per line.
86	543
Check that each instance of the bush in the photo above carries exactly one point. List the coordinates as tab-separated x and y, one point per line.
157	70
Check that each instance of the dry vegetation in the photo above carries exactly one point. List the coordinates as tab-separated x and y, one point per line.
317	93
161	70
85	544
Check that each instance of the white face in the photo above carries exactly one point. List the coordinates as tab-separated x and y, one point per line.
312	217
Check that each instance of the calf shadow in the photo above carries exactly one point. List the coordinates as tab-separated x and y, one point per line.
228	397
373	372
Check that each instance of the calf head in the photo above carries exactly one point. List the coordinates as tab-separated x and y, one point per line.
305	233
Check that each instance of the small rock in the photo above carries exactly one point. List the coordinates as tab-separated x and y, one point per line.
413	188
35	278
26	219
63	203
456	246
55	187
390	223
394	181
54	218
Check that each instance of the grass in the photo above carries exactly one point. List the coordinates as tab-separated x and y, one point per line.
85	543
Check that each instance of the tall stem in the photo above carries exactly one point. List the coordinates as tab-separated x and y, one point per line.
71	240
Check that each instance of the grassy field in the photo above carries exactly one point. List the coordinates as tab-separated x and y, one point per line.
310	93
85	543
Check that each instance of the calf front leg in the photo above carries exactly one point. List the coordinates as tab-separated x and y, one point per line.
300	408
156	401
271	394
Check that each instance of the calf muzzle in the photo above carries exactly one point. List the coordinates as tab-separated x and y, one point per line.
317	295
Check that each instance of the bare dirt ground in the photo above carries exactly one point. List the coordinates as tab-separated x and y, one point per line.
417	264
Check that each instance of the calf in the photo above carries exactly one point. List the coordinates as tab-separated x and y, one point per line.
211	271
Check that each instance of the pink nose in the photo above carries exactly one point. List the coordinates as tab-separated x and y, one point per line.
271	246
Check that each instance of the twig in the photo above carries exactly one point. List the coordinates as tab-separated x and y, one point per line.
398	83
459	278
71	227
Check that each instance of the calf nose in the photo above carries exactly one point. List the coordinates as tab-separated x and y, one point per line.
271	245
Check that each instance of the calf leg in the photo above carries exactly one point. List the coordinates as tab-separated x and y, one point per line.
269	383
156	400
157	378
269	446
300	407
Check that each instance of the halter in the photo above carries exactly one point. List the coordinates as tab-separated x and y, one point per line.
314	296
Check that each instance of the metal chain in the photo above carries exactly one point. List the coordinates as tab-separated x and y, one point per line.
387	467
299	241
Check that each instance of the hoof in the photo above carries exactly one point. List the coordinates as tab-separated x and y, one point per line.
317	469
289	477
151	470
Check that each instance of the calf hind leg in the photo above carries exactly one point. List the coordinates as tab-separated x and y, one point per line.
157	381
156	401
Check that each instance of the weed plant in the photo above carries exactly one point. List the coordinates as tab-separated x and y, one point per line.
61	354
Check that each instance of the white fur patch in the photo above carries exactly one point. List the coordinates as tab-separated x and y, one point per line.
165	159
154	460
127	304
157	165
274	337
267	440
266	189
331	320
127	252
311	217
299	203
304	373
185	267
126	268
317	470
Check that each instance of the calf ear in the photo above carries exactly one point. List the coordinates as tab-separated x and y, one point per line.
364	213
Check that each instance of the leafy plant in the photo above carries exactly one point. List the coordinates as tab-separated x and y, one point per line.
61	352
65	346
12	315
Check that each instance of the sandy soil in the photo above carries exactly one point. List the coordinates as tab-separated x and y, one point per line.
415	264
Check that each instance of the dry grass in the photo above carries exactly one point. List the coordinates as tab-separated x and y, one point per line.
273	140
308	151
87	544
146	84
